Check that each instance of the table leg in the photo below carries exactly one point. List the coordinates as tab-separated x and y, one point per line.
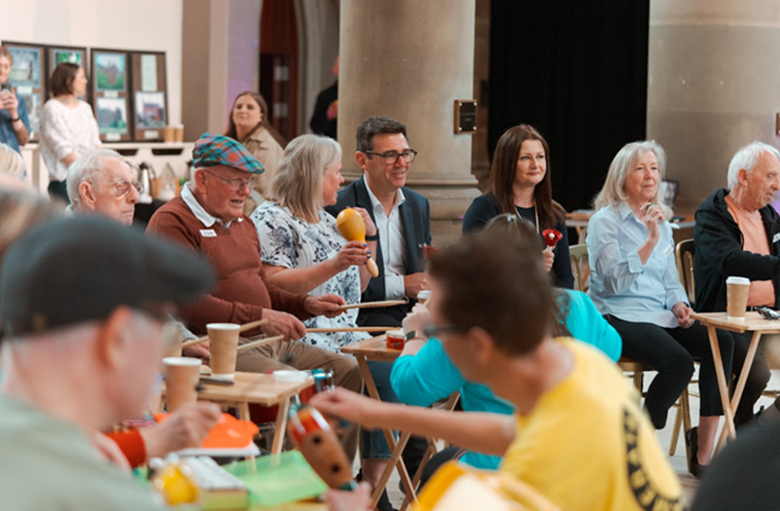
395	448
243	411
281	426
728	413
751	355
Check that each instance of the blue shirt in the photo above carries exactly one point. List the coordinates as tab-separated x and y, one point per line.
430	375
7	133
619	283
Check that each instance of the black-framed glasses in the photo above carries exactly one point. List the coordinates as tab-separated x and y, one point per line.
436	331
237	183
391	157
122	187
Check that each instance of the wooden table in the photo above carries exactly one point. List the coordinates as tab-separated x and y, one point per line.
753	322
257	388
375	349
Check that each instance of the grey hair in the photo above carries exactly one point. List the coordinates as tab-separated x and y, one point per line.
87	168
747	158
612	194
12	162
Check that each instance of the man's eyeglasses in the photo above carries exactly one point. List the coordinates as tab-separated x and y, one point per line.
391	157
436	331
237	183
122	188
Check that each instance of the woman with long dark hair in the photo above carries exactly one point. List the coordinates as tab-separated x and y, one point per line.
249	125
520	183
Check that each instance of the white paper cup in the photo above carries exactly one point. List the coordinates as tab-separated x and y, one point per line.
423	296
737	289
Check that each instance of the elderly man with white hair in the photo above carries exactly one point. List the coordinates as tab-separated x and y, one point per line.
102	182
737	233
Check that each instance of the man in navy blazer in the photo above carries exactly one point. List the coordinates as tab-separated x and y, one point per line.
402	217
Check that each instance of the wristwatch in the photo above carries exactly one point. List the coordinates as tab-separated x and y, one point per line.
17	119
375	237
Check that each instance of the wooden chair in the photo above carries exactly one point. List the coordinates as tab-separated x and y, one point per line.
580	266
685	253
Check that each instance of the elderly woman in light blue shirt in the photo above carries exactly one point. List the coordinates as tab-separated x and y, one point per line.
635	285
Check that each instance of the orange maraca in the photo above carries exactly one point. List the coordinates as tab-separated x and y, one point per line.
351	225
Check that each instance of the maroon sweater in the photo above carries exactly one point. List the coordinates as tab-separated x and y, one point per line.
242	292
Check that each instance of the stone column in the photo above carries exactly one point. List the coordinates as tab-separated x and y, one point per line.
410	60
713	86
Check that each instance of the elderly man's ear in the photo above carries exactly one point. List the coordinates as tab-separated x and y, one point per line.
87	195
116	338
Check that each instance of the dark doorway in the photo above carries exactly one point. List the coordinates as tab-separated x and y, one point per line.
279	64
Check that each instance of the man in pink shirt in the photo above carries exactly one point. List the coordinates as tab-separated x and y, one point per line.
737	233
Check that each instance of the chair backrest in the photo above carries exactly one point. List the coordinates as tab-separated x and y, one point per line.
685	254
580	266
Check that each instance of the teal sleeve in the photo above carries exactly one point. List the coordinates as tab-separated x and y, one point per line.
426	377
587	325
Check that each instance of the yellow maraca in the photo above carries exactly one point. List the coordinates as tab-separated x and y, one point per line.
351	225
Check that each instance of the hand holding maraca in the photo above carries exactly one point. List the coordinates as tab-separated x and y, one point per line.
352	226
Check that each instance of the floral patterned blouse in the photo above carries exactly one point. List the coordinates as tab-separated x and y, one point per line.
291	242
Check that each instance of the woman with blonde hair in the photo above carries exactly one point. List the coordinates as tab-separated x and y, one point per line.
249	125
635	285
12	162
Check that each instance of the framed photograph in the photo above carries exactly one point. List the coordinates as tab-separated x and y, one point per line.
112	115
109	71
111	97
28	79
150	110
668	191
72	54
150	95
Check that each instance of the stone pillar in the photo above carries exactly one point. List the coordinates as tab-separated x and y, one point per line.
410	60
713	86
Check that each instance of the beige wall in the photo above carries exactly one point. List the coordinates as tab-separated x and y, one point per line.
713	85
153	25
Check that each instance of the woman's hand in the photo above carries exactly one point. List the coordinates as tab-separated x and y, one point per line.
416	320
186	427
370	227
358	500
683	313
354	253
10	102
548	258
652	216
349	405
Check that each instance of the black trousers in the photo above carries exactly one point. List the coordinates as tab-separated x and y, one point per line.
671	352
758	377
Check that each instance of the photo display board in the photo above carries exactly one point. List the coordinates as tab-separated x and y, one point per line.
150	95
110	87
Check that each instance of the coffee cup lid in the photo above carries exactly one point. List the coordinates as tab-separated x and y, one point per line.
424	295
738	280
182	361
222	326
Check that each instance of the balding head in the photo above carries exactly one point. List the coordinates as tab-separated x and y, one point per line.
754	175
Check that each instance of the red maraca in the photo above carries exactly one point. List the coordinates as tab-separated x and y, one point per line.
551	238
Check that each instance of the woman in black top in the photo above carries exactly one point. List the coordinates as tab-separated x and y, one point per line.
520	183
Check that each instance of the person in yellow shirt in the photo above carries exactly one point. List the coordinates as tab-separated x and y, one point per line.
579	436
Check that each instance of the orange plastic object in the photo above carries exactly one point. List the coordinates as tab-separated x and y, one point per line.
229	433
351	225
395	340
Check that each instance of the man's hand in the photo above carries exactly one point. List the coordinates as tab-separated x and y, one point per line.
325	305
8	101
282	323
548	257
200	351
416	320
111	451
349	405
358	500
186	427
415	283
683	313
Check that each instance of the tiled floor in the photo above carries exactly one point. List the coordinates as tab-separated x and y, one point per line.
690	484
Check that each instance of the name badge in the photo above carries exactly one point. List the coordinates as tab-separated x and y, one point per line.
668	250
208	233
776	238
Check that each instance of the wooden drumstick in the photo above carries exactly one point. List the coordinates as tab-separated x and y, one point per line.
350	329
260	342
371	305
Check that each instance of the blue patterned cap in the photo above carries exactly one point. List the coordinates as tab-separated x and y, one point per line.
211	150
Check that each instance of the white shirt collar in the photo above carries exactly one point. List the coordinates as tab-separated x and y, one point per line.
376	205
201	214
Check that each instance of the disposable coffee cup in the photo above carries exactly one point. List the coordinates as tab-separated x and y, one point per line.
173	336
168	134
178	133
181	378
737	289
223	345
423	296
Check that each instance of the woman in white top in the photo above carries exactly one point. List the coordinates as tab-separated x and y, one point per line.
249	125
302	250
68	126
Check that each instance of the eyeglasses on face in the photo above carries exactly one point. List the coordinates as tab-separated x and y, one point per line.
237	183
391	157
436	331
122	187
